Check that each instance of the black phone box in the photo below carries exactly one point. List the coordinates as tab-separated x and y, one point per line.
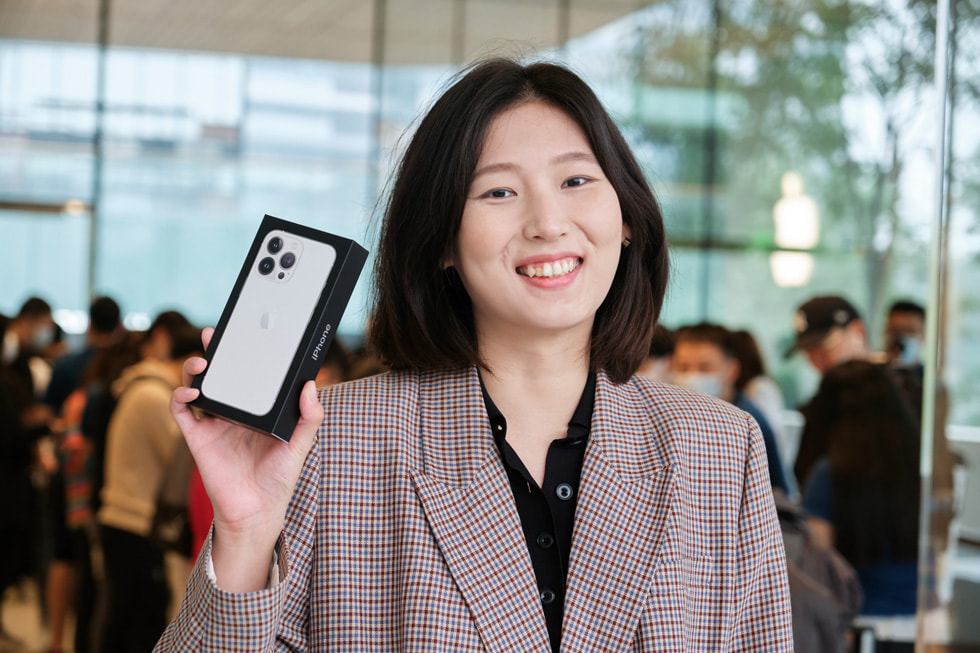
318	332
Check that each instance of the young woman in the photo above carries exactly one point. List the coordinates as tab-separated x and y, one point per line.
863	496
508	486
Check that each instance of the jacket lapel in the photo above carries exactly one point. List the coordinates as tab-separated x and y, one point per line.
468	502
624	502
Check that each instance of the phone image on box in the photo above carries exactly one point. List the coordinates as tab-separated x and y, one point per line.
266	325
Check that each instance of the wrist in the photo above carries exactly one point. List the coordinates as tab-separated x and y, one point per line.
241	560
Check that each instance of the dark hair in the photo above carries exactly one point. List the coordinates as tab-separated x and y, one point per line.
907	306
109	362
169	321
714	334
873	446
33	308
186	342
750	364
422	315
103	315
662	342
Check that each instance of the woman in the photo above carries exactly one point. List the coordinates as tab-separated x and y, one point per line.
863	496
522	265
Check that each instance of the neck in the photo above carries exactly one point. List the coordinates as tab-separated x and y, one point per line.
535	384
523	358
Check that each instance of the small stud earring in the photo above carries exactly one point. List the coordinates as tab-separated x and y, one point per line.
626	242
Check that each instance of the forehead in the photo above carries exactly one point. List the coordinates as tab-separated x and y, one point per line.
905	321
529	125
695	351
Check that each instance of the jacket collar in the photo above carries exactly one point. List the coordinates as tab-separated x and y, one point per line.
623	504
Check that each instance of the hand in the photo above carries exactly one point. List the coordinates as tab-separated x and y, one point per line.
249	476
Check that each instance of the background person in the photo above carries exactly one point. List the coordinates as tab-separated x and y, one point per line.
829	331
765	394
863	496
905	334
141	439
70	576
704	360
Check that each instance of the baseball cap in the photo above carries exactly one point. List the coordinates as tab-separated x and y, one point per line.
817	317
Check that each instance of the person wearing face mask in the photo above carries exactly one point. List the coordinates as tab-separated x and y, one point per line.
905	333
704	361
25	340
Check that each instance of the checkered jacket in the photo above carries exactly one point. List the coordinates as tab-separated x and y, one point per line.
403	535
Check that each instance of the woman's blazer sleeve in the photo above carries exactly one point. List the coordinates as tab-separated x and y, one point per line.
275	619
763	612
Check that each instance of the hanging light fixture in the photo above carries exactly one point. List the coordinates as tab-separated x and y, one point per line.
791	269
797	228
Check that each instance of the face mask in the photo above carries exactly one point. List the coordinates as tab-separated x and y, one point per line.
911	350
709	384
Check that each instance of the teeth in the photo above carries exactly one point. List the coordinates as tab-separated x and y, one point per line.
552	269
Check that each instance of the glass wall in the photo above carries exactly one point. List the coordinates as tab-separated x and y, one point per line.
793	145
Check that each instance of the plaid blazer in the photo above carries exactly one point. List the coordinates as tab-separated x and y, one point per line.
403	535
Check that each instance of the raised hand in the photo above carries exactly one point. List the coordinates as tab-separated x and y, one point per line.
249	476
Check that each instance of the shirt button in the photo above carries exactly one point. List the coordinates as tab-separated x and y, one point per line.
545	540
547	597
564	491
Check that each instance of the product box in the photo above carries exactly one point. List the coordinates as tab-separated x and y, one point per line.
277	325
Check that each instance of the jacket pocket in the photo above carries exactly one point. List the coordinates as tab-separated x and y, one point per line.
683	610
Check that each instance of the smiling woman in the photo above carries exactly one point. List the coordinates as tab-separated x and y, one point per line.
605	512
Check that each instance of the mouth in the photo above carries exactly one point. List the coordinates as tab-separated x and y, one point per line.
550	269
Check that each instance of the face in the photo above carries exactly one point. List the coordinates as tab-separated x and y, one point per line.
839	346
542	230
904	331
693	360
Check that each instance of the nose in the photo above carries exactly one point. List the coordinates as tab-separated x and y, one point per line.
546	217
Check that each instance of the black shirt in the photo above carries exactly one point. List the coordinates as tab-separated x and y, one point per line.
547	513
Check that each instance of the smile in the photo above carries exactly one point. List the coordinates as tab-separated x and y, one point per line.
552	269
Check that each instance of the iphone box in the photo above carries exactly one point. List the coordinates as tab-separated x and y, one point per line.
279	321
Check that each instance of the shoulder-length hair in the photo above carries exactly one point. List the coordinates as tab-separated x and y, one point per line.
422	316
873	449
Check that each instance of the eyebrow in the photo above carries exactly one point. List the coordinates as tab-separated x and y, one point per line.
574	155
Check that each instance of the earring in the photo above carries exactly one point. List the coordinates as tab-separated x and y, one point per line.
626	242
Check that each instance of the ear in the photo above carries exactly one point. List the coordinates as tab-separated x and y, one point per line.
627	232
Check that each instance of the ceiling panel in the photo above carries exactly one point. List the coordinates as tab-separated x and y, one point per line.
417	31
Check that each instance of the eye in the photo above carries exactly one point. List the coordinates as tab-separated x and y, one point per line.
573	182
498	193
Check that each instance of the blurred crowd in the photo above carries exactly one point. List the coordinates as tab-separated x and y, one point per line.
97	486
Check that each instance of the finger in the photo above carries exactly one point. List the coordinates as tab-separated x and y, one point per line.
192	367
311	416
180	410
206	334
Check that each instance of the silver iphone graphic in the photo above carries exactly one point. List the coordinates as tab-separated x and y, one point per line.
266	325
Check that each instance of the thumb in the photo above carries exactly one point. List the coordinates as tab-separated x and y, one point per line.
311	417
